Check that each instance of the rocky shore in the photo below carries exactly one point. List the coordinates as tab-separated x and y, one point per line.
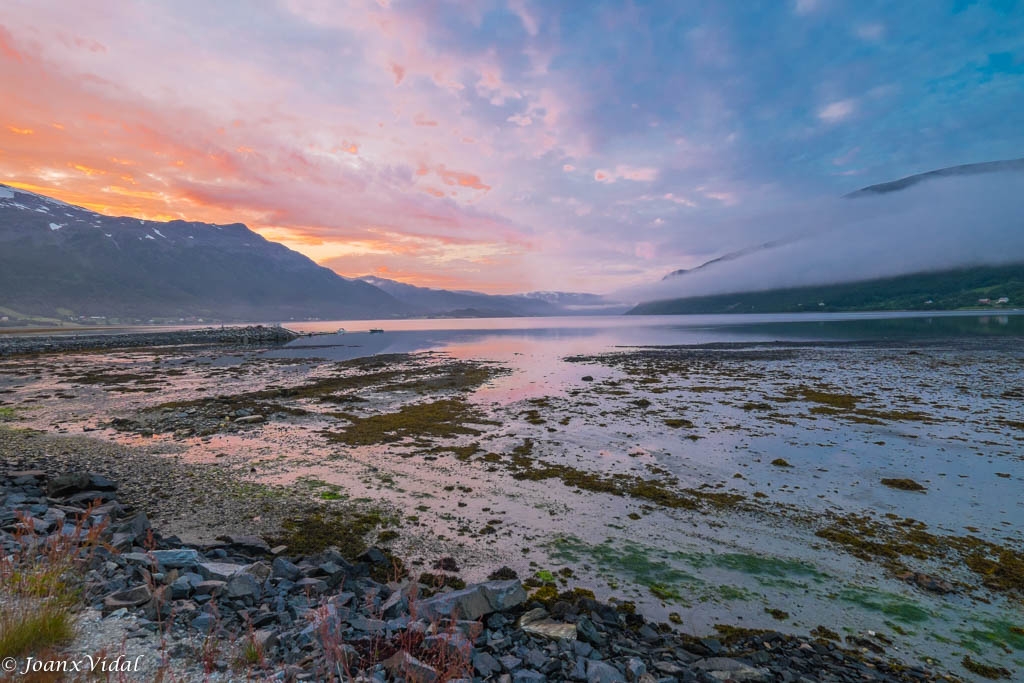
252	335
237	608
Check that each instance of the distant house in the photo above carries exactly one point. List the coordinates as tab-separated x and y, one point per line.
984	301
1003	300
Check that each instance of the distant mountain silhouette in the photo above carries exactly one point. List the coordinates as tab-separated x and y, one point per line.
60	260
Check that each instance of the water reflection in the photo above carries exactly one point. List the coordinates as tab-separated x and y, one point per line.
503	338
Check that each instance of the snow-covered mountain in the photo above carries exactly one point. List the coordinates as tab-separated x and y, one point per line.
60	260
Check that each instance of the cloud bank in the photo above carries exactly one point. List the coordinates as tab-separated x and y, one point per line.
938	224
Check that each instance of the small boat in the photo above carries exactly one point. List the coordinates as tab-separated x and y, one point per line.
341	330
376	330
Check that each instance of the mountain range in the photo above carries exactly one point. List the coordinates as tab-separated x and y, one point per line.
62	262
975	287
950	288
468	304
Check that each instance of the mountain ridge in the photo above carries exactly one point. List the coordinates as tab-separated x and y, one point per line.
65	261
949	289
466	303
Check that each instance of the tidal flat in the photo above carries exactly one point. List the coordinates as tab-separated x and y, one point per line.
866	491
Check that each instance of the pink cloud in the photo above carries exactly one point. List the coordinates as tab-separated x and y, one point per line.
469	180
529	21
520	120
634	173
645	250
7	49
399	71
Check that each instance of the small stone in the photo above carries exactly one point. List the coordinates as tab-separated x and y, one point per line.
211	587
315	586
285	569
510	662
536	621
176	559
474	602
603	672
250	545
243	585
264	639
132	597
67	483
402	664
726	669
635	669
588	632
218	571
485	664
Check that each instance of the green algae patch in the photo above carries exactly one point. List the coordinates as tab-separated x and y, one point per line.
992	633
727	592
633	561
445	418
894	606
767	571
903	484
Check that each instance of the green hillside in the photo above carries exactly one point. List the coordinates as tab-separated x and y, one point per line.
945	290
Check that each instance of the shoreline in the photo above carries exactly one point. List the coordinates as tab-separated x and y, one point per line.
602	639
252	335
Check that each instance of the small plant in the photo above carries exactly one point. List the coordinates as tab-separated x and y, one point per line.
41	582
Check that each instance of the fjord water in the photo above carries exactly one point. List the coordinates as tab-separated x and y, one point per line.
499	337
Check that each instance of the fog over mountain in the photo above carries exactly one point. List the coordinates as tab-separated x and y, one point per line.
462	303
962	216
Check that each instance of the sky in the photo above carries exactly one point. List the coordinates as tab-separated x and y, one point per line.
505	145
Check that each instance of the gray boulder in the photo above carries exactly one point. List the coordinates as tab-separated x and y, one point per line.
67	483
132	597
243	585
603	672
726	669
176	559
218	571
475	601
